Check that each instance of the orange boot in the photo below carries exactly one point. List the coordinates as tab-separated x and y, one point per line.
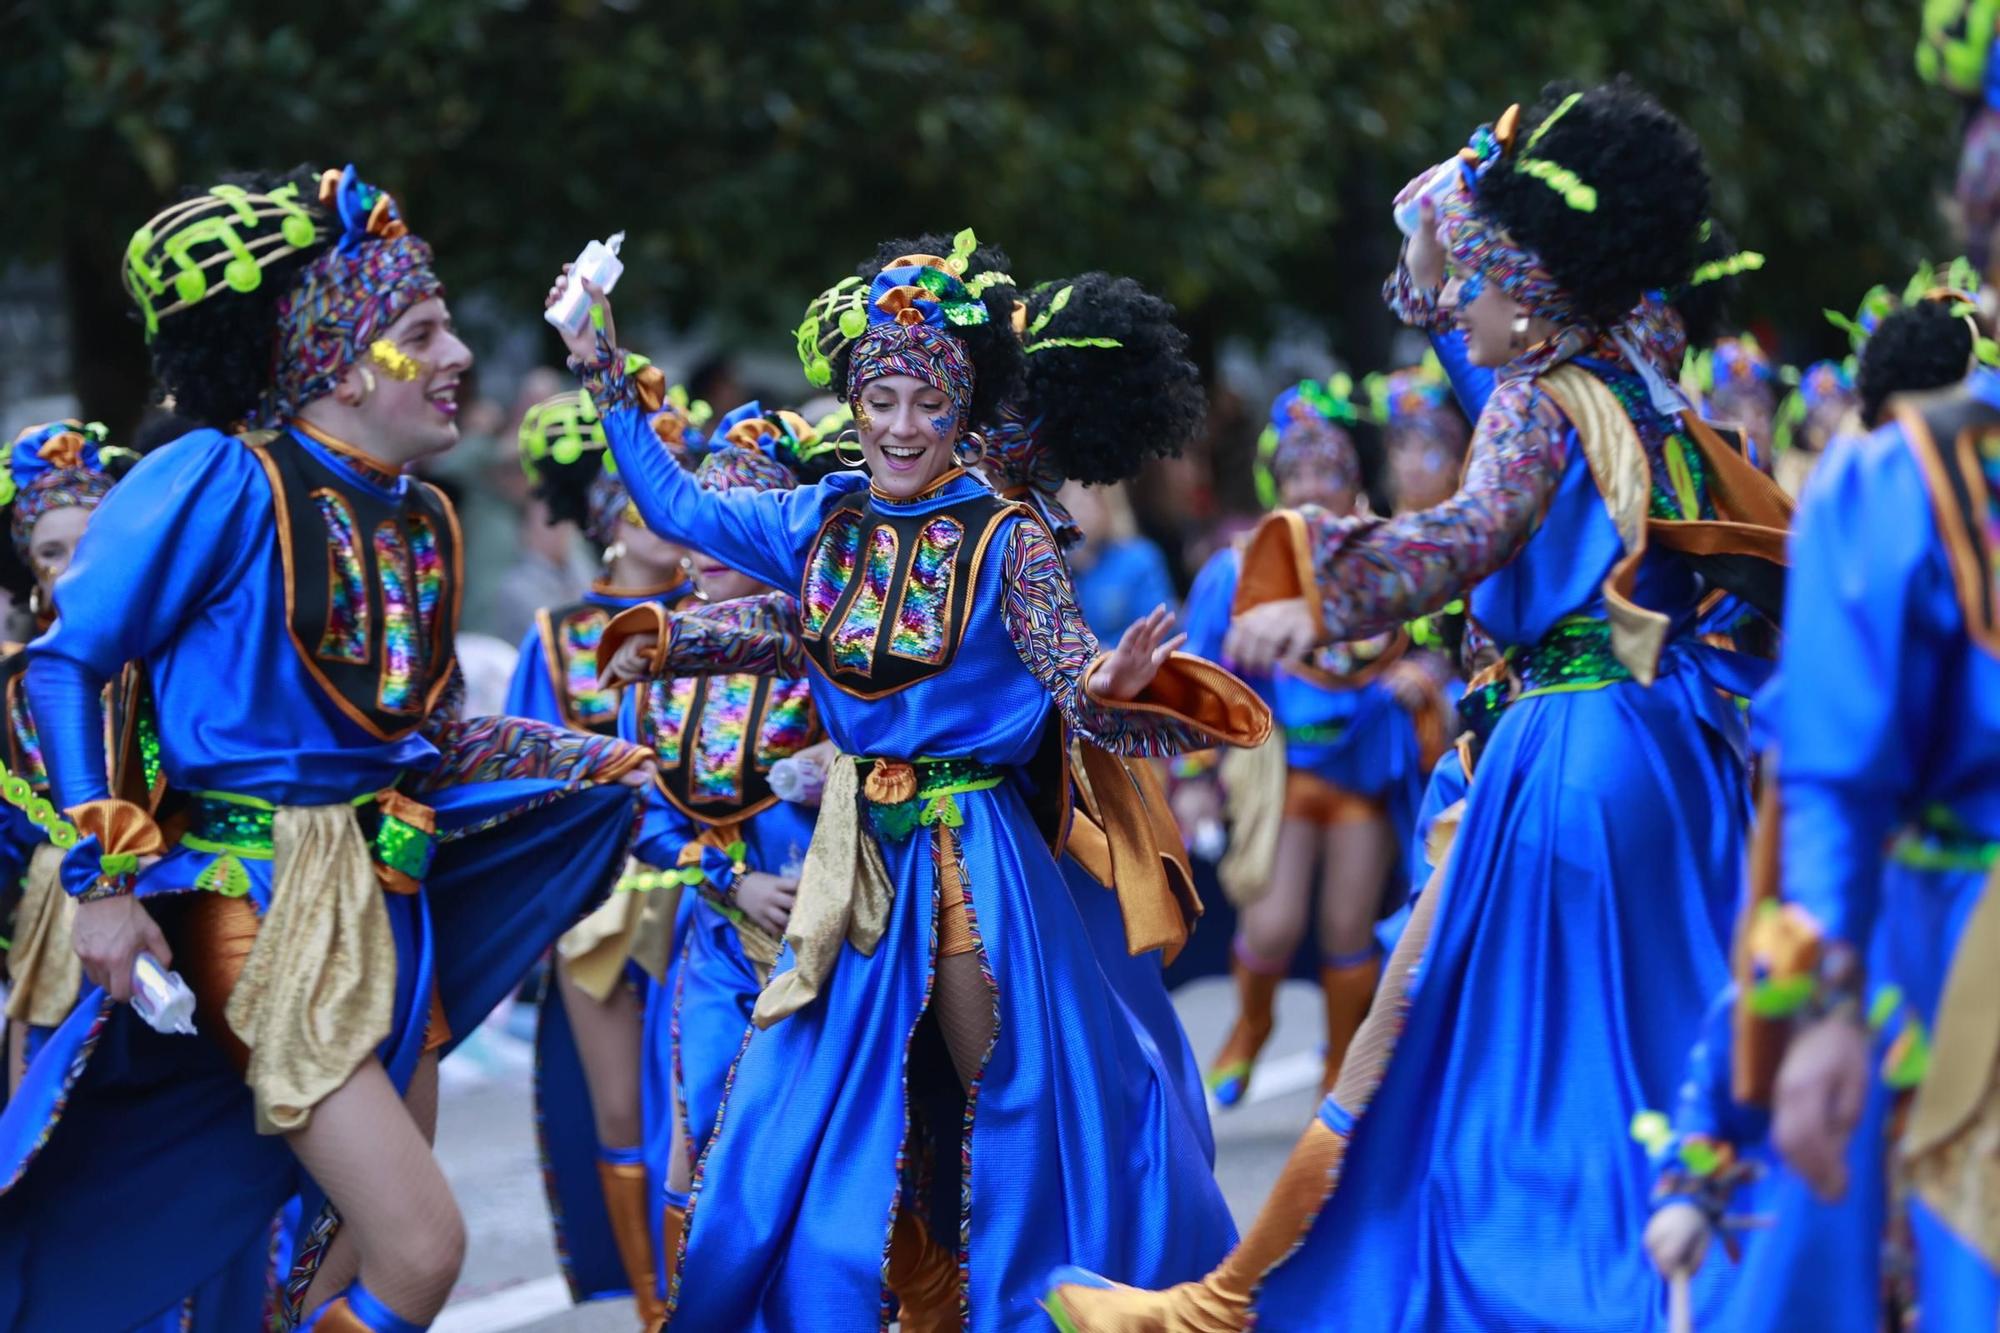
673	1221
624	1185
1256	993
1348	987
1082	1302
924	1276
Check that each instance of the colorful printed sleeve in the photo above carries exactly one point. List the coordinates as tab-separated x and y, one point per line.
1190	705
1865	610
761	635
1363	575
764	534
1413	305
495	749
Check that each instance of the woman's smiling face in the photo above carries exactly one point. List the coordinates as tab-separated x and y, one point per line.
908	429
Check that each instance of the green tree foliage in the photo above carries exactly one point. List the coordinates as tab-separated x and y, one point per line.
1233	155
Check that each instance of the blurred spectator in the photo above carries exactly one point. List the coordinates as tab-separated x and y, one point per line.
486	466
488	664
549	569
1120	576
714	381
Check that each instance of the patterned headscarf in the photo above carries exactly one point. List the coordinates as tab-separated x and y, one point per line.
1736	379
348	296
1812	414
1308	424
913	305
758	451
56	466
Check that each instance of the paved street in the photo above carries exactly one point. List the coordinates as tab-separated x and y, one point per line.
486	1139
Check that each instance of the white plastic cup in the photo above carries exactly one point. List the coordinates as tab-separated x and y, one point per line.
1409	213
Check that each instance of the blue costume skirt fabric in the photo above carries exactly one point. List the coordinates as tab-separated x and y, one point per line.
714	992
1492	1183
1078	1141
113	1111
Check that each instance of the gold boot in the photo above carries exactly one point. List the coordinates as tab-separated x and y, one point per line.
1347	990
924	1277
1228	1077
625	1201
1081	1302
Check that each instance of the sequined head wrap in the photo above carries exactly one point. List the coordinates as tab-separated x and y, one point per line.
60	465
1415	410
1309	424
913	306
758	450
349	295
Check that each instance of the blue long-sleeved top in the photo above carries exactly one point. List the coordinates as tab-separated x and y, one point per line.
1889	708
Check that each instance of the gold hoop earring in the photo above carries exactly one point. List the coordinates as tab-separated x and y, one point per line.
971	449
840	443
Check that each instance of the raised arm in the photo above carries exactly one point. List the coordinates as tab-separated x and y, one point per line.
760	635
1189	704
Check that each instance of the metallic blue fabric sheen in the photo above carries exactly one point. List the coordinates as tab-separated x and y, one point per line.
1584	926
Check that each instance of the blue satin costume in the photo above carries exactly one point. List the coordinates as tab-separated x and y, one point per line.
1076	1140
181	570
1888	731
1584	928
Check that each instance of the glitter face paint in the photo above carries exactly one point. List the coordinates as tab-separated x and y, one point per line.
394	361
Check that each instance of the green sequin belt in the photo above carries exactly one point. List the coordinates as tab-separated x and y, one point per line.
229	826
1938	841
903	795
1316	733
1575	655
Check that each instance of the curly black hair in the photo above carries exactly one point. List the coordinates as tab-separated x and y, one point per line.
1652	192
1923	346
1107	410
565	487
994	350
1704	310
216	359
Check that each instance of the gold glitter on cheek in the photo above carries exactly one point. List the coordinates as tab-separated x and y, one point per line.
394	360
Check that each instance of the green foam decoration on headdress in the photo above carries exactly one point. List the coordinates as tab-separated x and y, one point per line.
835	317
227	228
1574	191
1743	261
960	258
562	428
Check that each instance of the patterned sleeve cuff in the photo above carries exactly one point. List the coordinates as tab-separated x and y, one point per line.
1198	702
647	622
113	836
1415	306
618	380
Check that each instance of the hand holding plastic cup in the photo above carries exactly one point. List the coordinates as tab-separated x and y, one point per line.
598	264
160	998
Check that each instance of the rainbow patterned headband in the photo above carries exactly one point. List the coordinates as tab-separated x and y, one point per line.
60	465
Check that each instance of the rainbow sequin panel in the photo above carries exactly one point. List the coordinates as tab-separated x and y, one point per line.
346	636
26	738
429	562
831	568
722	740
398	692
1989	464
667	704
861	628
789	722
576	648
921	615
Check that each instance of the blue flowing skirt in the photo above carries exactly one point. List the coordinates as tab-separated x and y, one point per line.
132	1153
1492	1184
1079	1144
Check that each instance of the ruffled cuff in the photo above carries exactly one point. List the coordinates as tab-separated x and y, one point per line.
1415	306
112	837
1199	702
1796	972
1278	566
618	380
646	622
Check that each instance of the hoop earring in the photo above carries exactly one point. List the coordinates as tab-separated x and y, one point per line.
971	449
845	438
1520	339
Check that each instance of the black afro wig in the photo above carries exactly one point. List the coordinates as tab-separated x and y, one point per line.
1651	193
565	487
1923	346
1704	308
1105	410
215	360
992	346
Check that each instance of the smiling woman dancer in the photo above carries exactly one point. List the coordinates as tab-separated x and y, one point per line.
967	1047
1582	915
293	596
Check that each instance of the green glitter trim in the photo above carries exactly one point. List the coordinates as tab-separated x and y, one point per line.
939	781
1575	655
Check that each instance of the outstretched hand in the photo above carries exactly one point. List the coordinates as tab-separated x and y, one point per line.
1141	651
1275	632
631	664
583	343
